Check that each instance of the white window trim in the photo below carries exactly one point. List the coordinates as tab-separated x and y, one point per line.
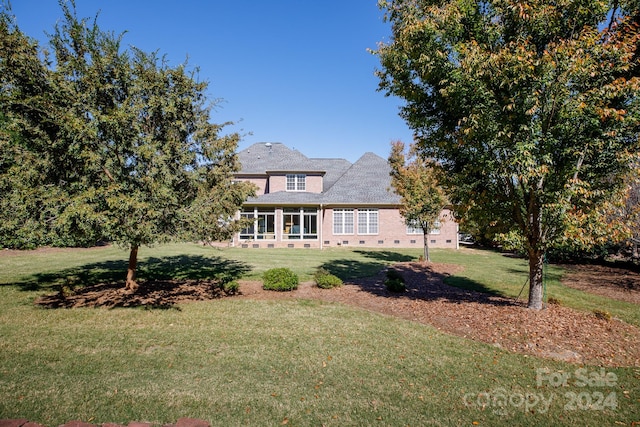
256	234
415	230
369	214
299	182
302	213
343	213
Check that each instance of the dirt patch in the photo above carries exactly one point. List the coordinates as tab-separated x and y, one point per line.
556	332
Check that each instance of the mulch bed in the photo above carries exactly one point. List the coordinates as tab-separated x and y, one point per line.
555	332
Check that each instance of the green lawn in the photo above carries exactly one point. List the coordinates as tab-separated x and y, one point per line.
243	362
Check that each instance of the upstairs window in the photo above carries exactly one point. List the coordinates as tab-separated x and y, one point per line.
296	182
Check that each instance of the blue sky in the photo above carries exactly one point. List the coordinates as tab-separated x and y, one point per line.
290	71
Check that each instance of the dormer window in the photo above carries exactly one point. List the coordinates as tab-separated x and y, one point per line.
296	182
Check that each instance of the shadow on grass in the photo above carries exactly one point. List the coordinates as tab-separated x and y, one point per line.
422	282
347	269
162	282
386	256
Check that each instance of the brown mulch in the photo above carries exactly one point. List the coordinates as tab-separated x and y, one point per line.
607	280
156	294
555	332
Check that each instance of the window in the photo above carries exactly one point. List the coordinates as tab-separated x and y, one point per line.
264	224
300	223
343	221
296	182
436	228
367	221
414	228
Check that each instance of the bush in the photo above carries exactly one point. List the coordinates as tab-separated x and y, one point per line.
279	279
227	283
395	281
230	288
326	280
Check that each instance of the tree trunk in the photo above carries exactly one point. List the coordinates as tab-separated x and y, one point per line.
536	285
131	285
427	256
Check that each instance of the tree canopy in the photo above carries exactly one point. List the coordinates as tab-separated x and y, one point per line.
416	180
101	142
530	107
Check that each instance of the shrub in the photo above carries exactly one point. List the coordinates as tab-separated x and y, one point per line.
394	281
230	288
279	279
326	280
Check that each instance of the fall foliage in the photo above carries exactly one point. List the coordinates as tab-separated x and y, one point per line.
530	108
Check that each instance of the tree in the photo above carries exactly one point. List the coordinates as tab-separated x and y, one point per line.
530	107
415	179
137	161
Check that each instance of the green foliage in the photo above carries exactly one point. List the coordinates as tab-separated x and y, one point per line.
325	280
280	279
511	241
228	283
101	143
394	281
417	182
531	108
231	288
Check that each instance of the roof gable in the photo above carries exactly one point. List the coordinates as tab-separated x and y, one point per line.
367	181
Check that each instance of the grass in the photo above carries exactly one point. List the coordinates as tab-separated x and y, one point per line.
504	275
243	362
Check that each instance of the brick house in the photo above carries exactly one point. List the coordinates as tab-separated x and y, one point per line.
303	202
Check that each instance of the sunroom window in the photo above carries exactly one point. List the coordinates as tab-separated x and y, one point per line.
264	224
300	223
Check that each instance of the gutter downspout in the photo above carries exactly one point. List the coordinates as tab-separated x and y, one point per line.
320	226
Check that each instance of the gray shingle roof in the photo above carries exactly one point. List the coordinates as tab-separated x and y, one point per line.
366	182
334	169
287	198
274	156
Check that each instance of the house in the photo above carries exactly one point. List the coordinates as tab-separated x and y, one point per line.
304	202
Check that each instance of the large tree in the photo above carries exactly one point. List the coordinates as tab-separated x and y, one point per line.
33	119
415	180
133	156
531	107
